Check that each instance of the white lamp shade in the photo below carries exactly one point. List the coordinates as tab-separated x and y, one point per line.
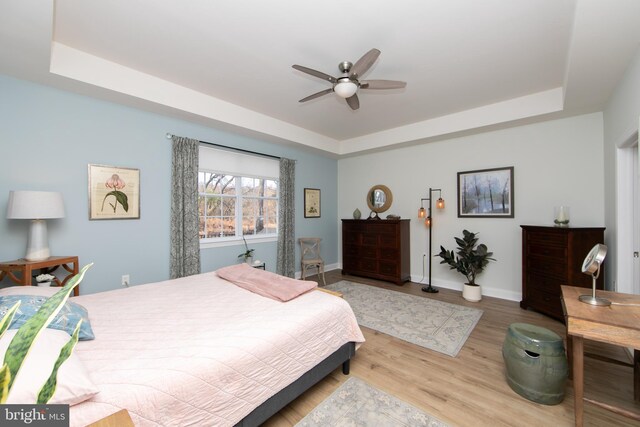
35	205
345	88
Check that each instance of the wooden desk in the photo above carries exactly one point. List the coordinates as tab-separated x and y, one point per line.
25	269
616	324
329	291
119	419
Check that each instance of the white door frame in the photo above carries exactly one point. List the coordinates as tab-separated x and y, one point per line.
626	185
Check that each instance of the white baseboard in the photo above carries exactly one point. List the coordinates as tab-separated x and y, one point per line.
327	267
456	286
486	290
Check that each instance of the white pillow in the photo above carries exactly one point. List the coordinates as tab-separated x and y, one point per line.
40	291
74	385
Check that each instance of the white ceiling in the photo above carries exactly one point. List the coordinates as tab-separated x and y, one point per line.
468	64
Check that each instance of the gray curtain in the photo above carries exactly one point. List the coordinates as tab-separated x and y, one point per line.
285	264
185	241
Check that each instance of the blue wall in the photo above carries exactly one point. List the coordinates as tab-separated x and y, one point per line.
49	136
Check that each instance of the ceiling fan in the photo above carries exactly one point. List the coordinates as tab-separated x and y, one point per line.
348	84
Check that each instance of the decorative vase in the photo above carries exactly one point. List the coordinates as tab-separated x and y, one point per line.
44	283
249	260
472	293
357	214
561	217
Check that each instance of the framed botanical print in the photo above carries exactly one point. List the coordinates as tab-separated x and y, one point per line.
114	192
486	193
311	203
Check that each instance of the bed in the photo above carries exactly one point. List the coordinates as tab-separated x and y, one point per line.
202	351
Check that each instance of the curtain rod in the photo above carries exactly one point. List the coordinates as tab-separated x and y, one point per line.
169	136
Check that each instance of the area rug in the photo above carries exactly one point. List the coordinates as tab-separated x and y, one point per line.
426	322
356	403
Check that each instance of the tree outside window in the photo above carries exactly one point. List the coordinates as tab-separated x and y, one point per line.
235	206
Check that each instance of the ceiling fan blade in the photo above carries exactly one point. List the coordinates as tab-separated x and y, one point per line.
364	63
382	84
315	73
353	102
316	95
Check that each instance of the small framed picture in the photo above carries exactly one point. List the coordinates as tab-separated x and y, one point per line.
311	203
114	192
486	193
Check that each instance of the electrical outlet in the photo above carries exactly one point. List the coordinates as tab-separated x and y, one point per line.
125	280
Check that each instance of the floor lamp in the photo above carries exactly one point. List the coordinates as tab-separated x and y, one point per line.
426	215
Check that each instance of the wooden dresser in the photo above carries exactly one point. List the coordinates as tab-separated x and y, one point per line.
378	249
551	257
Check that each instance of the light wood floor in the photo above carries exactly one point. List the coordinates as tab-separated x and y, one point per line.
470	389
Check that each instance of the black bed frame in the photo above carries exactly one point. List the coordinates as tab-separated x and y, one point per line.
288	394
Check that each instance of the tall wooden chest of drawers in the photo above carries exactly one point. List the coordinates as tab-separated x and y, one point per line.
551	257
378	249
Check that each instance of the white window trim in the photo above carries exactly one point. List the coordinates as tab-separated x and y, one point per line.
235	241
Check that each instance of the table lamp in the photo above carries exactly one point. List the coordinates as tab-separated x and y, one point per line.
36	206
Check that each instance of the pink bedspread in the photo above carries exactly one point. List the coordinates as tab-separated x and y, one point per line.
265	283
201	351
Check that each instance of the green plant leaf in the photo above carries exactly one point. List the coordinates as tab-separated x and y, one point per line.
6	320
5	375
49	387
23	340
5	378
122	199
470	260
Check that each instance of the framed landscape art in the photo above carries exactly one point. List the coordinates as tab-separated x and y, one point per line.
114	192
486	193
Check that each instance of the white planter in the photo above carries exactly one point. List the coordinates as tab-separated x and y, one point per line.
249	260
44	283
472	293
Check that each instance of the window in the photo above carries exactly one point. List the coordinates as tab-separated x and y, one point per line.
232	204
236	206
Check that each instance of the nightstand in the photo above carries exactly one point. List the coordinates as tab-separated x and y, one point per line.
25	269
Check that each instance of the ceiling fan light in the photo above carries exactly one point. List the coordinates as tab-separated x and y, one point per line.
345	88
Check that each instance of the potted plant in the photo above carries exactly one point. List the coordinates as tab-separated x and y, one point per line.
247	254
27	334
44	279
470	260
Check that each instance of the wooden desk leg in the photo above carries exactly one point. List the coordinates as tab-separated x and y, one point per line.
578	379
636	375
570	355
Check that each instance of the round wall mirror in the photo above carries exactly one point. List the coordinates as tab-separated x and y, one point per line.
379	198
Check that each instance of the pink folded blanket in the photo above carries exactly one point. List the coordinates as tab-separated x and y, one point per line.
265	283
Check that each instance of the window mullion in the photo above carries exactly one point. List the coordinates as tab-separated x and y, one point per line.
239	213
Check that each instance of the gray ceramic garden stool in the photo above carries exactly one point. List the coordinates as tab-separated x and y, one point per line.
536	363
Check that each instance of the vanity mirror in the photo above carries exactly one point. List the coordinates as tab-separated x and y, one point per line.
379	199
